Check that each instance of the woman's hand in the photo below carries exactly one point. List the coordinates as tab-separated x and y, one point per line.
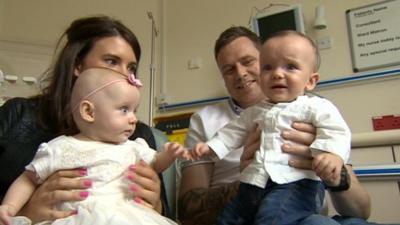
59	187
146	185
301	136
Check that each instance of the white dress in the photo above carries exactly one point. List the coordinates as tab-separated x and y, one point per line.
109	201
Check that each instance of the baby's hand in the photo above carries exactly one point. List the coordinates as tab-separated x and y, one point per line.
199	150
328	166
177	150
6	212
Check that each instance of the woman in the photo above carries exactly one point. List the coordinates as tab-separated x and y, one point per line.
27	122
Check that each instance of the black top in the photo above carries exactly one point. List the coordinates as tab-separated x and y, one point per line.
21	135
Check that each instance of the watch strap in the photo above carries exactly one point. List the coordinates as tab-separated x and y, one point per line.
344	181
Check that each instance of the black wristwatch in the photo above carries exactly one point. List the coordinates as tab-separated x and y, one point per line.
344	181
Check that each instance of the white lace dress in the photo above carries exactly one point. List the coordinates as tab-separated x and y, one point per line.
109	201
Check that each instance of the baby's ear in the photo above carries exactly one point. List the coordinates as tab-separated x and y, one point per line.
312	81
77	70
86	110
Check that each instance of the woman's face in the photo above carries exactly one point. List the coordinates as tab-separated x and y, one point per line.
110	52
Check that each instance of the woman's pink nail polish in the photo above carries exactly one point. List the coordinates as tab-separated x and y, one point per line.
84	194
132	167
87	183
137	200
83	171
133	188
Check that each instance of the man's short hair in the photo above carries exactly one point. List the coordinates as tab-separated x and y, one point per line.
232	34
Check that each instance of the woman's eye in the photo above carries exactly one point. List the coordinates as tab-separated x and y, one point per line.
111	61
132	69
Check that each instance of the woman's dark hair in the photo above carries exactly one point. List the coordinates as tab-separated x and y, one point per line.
233	33
80	38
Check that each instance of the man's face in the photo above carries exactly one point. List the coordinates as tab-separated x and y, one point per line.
239	64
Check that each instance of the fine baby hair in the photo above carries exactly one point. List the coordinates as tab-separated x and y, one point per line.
93	87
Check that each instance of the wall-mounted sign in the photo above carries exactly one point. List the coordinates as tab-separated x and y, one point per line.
374	32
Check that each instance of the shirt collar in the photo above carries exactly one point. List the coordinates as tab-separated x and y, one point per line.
235	107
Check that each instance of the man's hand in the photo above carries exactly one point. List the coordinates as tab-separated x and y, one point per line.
251	146
301	136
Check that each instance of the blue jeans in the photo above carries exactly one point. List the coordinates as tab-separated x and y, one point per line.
336	220
281	204
317	219
354	221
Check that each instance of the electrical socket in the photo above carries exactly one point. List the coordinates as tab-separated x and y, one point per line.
324	43
386	122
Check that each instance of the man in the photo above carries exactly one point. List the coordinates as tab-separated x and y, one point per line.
205	186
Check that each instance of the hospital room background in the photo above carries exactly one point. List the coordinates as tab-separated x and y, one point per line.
180	75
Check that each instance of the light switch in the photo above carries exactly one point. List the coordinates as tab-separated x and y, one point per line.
194	63
324	43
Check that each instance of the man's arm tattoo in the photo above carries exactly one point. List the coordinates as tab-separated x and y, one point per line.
201	206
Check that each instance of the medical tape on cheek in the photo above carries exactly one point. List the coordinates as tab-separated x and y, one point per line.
97	90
